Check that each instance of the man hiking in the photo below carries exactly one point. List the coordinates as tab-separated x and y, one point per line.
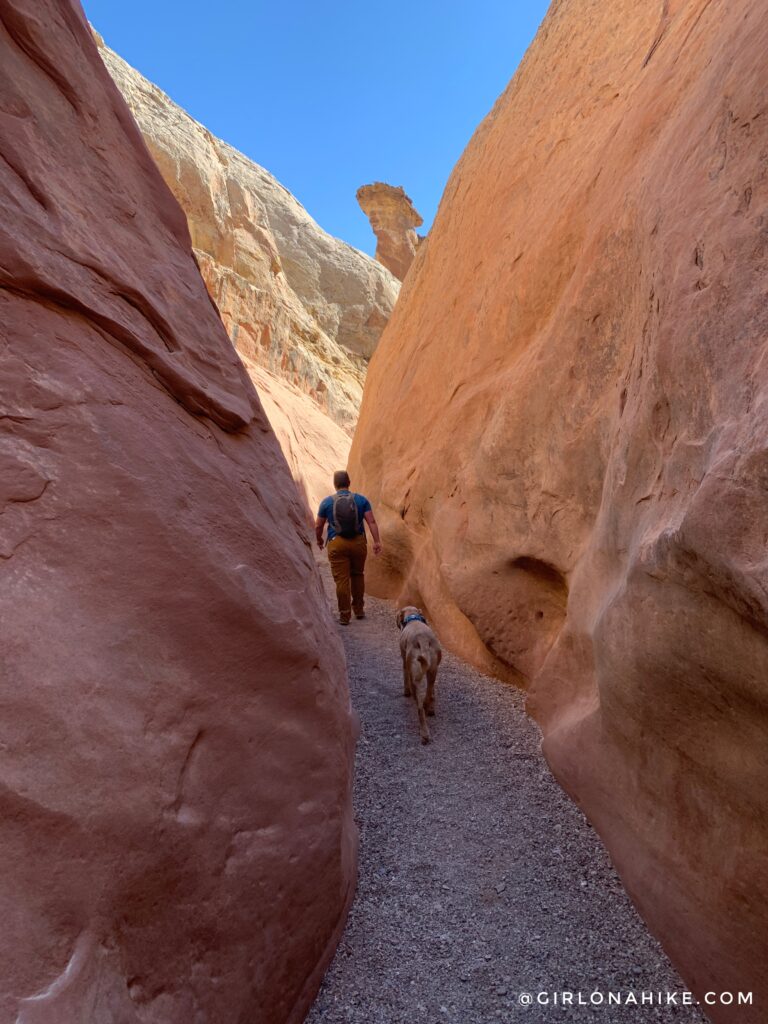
346	514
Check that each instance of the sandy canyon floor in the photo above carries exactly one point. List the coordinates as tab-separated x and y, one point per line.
479	879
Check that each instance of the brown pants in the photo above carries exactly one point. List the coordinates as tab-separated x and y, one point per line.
347	558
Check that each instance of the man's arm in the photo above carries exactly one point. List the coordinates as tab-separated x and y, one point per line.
373	526
319	530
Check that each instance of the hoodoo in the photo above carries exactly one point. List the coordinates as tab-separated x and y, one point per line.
564	434
394	219
176	736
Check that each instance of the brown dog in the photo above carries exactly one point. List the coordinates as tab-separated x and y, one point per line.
421	657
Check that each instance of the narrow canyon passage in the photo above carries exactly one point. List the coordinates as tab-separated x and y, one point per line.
479	879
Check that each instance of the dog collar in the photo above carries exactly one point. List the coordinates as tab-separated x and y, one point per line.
413	618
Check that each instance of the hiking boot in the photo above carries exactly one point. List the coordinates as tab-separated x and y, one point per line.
344	621
359	615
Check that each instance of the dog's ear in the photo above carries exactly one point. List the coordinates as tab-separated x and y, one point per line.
400	616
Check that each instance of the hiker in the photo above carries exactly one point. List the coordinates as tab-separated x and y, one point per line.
346	514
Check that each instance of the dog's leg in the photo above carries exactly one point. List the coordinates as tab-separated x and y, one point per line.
417	679
423	727
406	678
429	700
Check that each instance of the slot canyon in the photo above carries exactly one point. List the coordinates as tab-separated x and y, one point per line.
557	403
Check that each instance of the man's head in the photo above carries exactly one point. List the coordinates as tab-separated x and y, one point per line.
341	479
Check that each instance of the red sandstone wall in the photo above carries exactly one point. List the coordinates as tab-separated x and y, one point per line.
176	836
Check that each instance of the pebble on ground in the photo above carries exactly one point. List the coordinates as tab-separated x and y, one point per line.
479	880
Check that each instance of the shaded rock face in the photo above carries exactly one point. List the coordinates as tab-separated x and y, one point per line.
393	218
564	434
313	445
175	745
296	301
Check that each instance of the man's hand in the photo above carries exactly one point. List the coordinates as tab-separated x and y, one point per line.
319	530
374	528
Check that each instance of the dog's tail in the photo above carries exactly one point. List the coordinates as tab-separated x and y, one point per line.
419	664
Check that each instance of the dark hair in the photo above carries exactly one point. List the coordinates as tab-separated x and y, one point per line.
340	479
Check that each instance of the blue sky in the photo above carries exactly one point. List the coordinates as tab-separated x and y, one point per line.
331	96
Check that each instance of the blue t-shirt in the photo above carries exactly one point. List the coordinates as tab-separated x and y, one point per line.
326	511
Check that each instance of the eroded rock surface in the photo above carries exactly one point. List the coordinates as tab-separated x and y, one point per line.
313	445
394	219
304	305
564	435
175	745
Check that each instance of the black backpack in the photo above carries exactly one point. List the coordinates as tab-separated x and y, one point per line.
345	515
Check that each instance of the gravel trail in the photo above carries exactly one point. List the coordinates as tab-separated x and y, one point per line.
479	879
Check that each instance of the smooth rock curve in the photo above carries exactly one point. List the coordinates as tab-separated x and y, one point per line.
177	841
564	434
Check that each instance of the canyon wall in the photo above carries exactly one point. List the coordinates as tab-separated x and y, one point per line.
306	307
564	434
313	445
177	842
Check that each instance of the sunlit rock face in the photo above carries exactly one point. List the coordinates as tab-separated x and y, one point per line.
564	433
176	840
304	305
394	219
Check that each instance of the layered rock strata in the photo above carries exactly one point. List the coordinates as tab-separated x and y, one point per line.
564	433
176	840
304	305
394	219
